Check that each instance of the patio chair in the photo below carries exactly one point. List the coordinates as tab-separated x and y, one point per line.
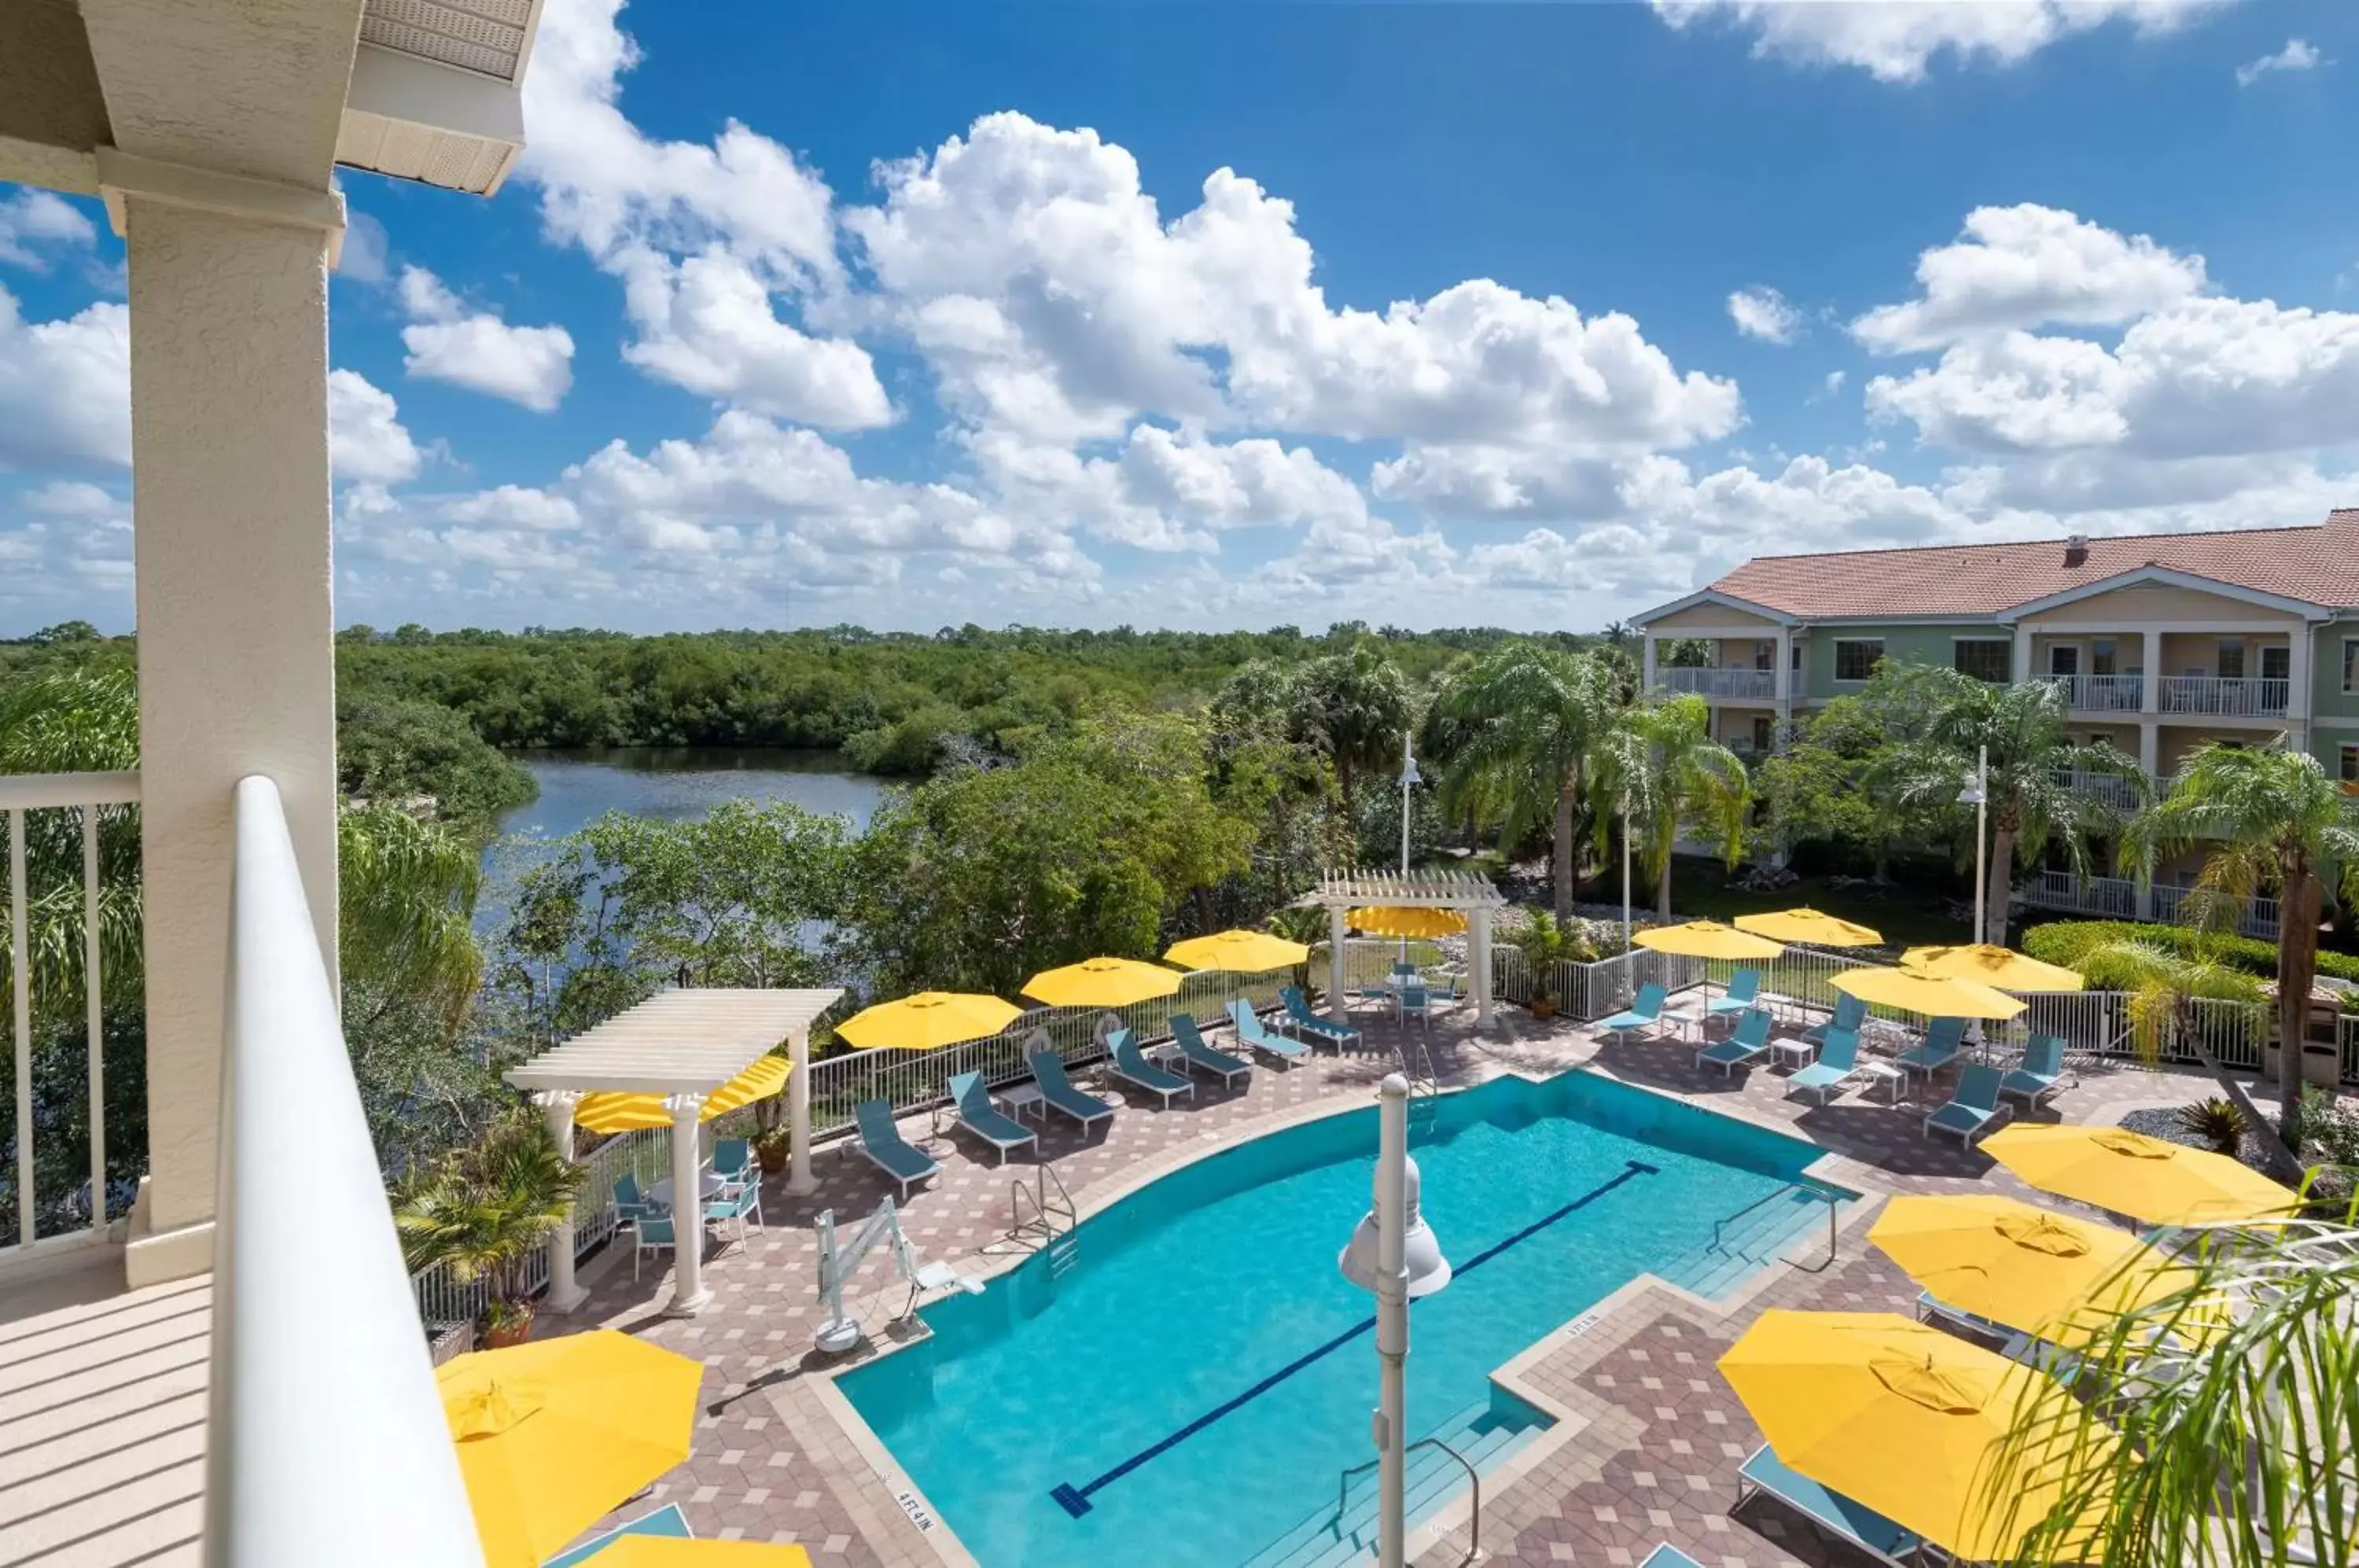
1945	1039
1309	1025
1850	1014
1669	1556
1644	1013
650	1232
667	1521
1749	1040
987	1121
1133	1068
1973	1109
1847	1521
1056	1092
1742	991
1838	1062
1416	1002
1197	1054
1254	1035
887	1149
629	1201
739	1203
733	1160
2041	1072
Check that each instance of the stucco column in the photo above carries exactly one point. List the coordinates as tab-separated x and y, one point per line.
2299	657
689	1295
1647	666
2021	664
229	435
2150	749
564	1294
1783	688
1479	944
2150	687
801	1180
1335	929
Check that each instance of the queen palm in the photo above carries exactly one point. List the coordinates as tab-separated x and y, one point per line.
482	1208
2267	818
1528	718
1658	766
1358	704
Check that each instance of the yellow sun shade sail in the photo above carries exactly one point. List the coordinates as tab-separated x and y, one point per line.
1708	939
1811	927
1239	951
2148	1179
928	1020
1102	983
1913	993
554	1433
671	1552
627	1113
1387	920
1904	1419
1986	963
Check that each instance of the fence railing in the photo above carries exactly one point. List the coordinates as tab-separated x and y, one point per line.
2114	897
1754	684
2227	695
2100	693
2258	918
57	912
2106	789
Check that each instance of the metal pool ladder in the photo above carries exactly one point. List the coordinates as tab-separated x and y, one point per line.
1061	1243
1828	1196
1474	1521
1424	1084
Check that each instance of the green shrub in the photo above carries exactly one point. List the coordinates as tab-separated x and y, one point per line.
2217	1122
2065	942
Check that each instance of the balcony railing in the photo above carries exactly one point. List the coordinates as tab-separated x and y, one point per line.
47	1200
326	1441
2227	696
2107	789
2258	918
2114	897
1757	685
2100	693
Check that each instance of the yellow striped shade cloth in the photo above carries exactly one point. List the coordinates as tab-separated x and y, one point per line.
629	1112
1385	919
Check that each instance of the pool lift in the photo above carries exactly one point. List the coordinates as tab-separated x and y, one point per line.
840	1332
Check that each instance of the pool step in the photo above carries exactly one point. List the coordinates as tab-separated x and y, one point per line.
1485	1437
1064	1254
1772	1232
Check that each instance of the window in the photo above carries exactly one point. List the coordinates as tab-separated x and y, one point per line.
2064	659
2351	664
2232	658
1798	657
2101	657
2349	769
1764	657
1761	722
1856	657
2276	663
1985	658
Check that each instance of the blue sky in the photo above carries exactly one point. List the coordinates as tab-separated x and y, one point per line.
1233	314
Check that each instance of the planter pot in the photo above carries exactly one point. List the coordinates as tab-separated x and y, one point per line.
514	1332
772	1160
1543	1009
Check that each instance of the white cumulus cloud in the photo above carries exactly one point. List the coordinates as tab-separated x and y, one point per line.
1762	312
65	388
2296	55
33	222
1898	40
366	441
477	349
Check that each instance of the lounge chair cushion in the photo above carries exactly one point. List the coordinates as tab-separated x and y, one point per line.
980	1117
883	1142
1829	1509
1128	1063
1057	1089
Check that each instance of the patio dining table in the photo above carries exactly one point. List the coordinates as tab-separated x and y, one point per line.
709	1185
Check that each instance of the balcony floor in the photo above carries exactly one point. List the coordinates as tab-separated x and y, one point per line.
102	1420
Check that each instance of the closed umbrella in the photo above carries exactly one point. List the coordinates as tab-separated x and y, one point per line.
610	1112
1811	928
1239	951
1102	983
1986	963
2128	1172
929	1020
1935	998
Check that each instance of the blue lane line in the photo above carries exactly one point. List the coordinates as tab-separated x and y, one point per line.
1075	1500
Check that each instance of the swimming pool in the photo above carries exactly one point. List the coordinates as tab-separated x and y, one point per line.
1189	1394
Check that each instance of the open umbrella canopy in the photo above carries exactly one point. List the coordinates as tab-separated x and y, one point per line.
929	1019
1987	963
552	1433
1385	920
671	1552
1102	983
2148	1179
1811	928
1913	993
627	1113
1708	939
1240	952
1904	1419
2048	1275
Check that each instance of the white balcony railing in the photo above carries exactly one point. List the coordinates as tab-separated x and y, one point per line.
1754	685
2225	696
2258	918
2107	789
2114	896
326	1440
61	1212
2100	693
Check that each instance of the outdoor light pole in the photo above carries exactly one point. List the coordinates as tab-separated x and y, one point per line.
1625	872
1408	777
1977	794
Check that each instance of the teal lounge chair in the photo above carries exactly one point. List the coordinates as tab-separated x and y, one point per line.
1838	1059
882	1142
1645	1013
1669	1556
2040	1074
1309	1025
1743	989
1134	1069
733	1160
1056	1092
1830	1511
1973	1109
1197	1054
666	1520
1748	1040
1850	1013
985	1120
1944	1038
1254	1035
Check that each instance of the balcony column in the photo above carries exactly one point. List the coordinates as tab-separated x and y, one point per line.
2021	663
2300	647
1782	689
800	1181
564	1294
1647	666
2150	688
1335	929
688	1296
229	436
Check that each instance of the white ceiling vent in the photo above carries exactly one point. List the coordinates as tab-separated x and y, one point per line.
486	36
435	93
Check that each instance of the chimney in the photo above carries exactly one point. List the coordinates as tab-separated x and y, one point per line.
2076	548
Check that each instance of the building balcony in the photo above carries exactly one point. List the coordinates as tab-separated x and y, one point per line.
1720	685
2235	697
2106	789
2116	898
2258	918
2100	693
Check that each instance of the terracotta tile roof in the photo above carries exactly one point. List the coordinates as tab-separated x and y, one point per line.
2317	562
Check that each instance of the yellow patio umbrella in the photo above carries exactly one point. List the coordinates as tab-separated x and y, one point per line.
1240	952
2047	1274
1102	983
625	1113
2128	1172
1708	939
1913	993
1811	928
1387	920
673	1551
552	1433
928	1020
1902	1419
1986	963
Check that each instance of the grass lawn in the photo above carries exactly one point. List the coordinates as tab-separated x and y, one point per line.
1907	917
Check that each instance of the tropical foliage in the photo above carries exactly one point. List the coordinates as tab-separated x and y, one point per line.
481	1211
1530	721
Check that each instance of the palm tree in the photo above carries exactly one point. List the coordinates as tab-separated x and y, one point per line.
1658	766
1951	718
2268	817
1531	717
1357	705
482	1210
405	894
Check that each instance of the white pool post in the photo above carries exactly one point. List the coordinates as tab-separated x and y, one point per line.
1392	1321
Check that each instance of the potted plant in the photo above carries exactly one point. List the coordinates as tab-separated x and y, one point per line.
771	1146
1543	944
481	1210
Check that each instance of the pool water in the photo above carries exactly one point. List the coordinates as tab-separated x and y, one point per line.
1061	1422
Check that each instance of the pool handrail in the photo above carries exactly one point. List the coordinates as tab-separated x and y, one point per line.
1474	1523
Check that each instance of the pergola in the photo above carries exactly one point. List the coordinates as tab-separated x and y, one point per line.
1467	892
683	1045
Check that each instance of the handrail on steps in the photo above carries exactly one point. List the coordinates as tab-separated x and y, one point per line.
1018	1192
1475	1543
1832	1198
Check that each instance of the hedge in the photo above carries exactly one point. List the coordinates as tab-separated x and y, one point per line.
2064	941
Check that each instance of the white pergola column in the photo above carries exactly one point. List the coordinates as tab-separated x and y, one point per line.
564	1293
1647	666
801	1180
1479	942
688	1296
229	434
1335	929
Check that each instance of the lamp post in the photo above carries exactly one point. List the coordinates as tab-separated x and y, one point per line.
1976	793
1626	871
1408	777
1395	1254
